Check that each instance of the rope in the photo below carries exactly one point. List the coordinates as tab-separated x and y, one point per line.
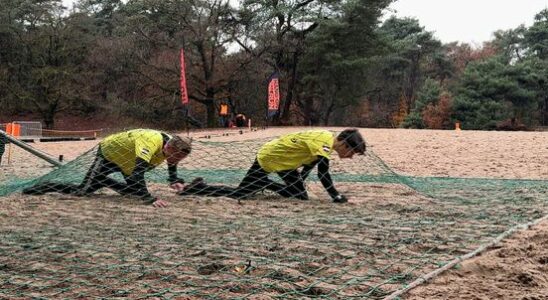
460	259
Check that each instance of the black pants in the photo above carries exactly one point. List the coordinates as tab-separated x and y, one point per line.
254	181
96	178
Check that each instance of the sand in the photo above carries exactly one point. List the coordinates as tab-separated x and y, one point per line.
515	269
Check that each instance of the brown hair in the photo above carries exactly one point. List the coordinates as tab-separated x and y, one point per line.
183	144
353	139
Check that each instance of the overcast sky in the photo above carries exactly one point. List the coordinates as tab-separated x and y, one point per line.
471	21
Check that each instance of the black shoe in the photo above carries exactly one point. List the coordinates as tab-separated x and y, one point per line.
39	189
340	199
196	185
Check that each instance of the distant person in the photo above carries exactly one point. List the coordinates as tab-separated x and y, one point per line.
240	120
284	156
221	121
3	142
131	153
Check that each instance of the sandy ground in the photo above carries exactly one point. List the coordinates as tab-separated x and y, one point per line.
489	154
516	269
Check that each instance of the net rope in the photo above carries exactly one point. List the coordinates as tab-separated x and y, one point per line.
267	247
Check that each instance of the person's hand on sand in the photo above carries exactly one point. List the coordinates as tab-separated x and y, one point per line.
160	203
312	196
177	186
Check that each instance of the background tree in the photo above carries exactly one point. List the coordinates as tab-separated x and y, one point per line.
438	115
117	61
43	65
396	74
511	85
276	31
334	64
492	91
536	40
429	94
536	37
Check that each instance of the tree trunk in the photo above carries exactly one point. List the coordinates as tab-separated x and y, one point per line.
284	118
49	110
210	107
544	112
211	113
308	112
328	113
409	91
49	120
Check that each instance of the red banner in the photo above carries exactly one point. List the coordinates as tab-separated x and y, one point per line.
273	94
184	91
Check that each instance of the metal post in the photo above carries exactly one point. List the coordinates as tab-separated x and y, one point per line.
33	151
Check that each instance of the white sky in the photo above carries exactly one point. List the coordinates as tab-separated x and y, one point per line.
471	21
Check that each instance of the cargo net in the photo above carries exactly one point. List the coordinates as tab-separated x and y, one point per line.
394	229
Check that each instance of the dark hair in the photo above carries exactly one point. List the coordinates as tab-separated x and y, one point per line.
182	144
353	139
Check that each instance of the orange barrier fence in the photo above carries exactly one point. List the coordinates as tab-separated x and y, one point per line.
13	129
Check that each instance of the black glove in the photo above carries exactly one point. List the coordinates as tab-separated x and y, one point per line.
340	199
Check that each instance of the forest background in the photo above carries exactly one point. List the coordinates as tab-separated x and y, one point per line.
111	63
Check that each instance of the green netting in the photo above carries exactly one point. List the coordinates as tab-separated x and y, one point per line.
217	162
395	229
